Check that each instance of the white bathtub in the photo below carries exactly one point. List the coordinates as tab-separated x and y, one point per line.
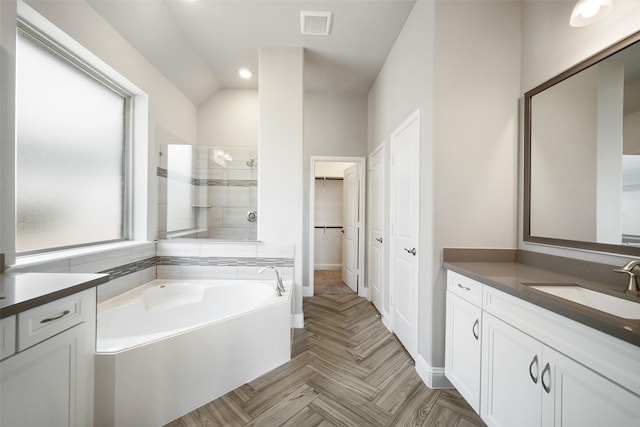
170	346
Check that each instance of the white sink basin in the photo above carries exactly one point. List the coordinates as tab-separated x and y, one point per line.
603	302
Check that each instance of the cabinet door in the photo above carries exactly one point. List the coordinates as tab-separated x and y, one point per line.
463	348
511	370
577	396
38	385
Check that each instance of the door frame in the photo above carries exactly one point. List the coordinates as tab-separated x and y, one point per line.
379	150
308	291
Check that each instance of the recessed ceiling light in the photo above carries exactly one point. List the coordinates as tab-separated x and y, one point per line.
245	73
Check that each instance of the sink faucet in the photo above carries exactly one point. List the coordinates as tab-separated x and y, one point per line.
279	286
633	281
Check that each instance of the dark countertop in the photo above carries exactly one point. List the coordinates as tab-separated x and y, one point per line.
510	276
22	291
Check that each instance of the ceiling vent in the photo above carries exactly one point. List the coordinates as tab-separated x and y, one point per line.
315	23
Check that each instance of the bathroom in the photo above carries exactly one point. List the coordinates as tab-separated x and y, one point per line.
465	65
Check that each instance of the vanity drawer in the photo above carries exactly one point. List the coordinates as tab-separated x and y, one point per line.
7	336
466	288
42	322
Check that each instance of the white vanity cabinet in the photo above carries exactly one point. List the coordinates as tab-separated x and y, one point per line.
539	368
49	380
526	383
463	336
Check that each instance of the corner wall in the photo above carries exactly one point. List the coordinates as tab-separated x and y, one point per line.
334	125
280	198
459	62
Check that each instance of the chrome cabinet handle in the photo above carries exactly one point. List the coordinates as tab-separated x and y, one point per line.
475	329
463	287
51	319
534	362
379	239
545	386
411	251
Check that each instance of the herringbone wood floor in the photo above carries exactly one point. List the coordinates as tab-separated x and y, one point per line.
346	369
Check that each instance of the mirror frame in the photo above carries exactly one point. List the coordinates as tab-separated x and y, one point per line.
527	237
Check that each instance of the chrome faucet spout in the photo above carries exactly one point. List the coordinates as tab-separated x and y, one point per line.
632	286
279	285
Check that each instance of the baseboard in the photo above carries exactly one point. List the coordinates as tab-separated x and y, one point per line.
307	291
385	322
327	267
297	321
433	377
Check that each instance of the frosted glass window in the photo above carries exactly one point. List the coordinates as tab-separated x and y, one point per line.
70	179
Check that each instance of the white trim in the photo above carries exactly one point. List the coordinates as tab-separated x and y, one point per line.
297	321
385	321
327	266
432	377
381	148
362	161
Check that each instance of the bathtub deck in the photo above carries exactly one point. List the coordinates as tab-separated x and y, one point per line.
346	369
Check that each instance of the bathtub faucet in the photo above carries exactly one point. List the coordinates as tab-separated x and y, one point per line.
279	286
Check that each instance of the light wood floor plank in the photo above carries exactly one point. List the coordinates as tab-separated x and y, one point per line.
346	369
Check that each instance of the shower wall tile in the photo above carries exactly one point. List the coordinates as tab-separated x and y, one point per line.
143	251
99	261
219	195
57	266
118	286
174	248
208	272
269	250
235	218
168	271
239	197
228	250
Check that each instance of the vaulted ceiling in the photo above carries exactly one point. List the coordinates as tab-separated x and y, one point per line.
199	45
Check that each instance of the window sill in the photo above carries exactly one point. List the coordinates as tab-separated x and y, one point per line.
26	261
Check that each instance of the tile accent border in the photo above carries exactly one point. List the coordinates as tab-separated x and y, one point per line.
134	267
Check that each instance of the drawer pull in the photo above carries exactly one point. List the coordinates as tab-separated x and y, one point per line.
534	362
51	319
545	386
476	333
463	287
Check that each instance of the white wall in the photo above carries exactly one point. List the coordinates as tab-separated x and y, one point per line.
280	198
230	118
168	108
458	62
549	47
334	125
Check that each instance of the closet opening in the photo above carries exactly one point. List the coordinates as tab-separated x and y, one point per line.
336	235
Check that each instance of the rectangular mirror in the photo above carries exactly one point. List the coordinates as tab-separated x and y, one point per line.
582	154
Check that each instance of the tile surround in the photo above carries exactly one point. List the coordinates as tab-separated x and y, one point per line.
138	264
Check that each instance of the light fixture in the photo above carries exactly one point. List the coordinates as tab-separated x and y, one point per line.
245	73
587	12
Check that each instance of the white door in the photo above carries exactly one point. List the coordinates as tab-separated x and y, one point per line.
376	229
350	226
405	214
